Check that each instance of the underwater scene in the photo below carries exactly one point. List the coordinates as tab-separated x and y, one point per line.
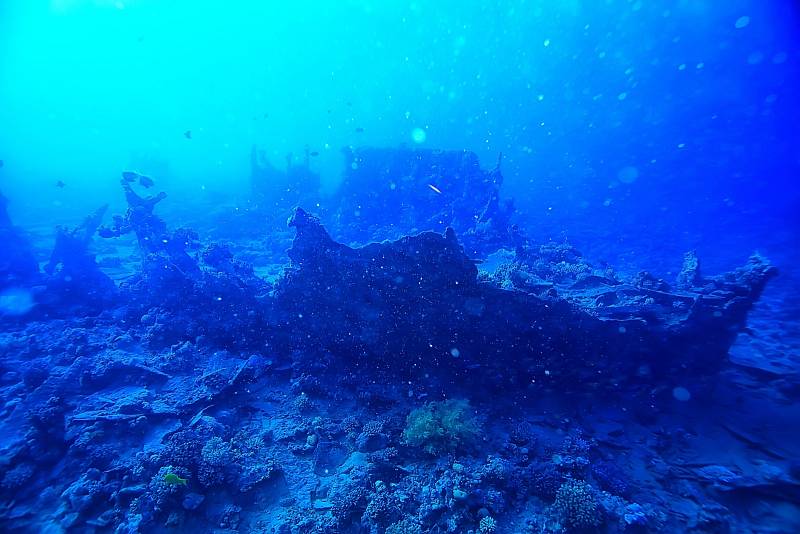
399	266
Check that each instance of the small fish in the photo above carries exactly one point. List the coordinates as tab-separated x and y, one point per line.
359	130
314	153
146	181
174	480
435	189
60	184
129	176
1	163
187	134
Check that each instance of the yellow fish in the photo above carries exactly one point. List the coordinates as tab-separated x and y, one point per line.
174	480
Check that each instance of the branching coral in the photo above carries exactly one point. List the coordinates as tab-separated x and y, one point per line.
487	525
441	426
216	457
406	526
576	505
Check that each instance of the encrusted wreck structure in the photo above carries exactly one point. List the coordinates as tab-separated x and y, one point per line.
412	303
73	277
387	193
18	265
199	396
71	282
419	304
407	306
275	189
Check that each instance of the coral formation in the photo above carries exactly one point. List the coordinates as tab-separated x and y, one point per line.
576	505
440	427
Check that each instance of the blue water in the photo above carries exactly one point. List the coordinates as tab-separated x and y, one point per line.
192	362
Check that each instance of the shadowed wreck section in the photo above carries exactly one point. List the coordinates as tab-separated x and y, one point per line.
378	299
419	304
